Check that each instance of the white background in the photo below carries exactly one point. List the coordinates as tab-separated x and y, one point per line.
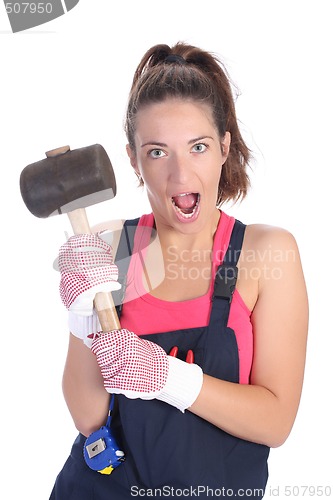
66	82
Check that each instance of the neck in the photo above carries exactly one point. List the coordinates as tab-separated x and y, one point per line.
188	241
178	257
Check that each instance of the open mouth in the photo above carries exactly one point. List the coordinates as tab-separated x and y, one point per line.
186	205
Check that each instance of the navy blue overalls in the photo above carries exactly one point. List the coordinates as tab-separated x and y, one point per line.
170	453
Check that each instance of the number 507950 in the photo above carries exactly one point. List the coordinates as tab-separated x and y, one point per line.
28	8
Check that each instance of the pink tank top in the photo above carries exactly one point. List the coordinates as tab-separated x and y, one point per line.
145	314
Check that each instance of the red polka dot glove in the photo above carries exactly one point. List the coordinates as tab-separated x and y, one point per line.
86	265
138	368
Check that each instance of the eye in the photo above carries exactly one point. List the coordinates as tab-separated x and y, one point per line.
200	147
156	153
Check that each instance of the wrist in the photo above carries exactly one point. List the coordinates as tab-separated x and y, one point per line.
183	384
84	327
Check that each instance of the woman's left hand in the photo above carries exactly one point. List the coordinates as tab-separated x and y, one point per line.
138	368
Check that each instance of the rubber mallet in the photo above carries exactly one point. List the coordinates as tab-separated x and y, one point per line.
67	182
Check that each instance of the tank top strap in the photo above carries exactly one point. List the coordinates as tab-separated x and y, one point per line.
225	275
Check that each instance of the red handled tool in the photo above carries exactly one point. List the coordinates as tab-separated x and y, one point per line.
189	356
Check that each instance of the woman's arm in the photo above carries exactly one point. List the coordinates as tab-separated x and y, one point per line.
83	388
264	412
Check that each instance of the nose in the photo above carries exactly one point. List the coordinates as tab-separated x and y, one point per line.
180	171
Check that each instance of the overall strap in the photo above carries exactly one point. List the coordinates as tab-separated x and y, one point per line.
218	332
226	278
122	259
226	274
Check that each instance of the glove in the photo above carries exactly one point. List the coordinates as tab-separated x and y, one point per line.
85	328
139	368
86	265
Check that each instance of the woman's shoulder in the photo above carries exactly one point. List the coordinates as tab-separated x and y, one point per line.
265	233
267	243
269	259
109	225
110	230
117	224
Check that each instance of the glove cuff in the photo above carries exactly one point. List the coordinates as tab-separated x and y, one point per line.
183	384
83	304
84	327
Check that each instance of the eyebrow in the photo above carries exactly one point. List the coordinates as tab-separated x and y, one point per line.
164	145
154	143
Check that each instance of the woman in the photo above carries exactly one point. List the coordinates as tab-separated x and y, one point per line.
208	365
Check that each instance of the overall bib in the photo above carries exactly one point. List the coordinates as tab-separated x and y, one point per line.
170	453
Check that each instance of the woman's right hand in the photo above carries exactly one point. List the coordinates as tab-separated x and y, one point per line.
86	266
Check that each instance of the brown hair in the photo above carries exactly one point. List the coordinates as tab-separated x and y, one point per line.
187	72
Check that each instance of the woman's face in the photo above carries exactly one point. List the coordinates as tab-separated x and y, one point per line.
179	155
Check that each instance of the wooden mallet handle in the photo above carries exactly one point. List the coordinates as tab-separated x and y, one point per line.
103	302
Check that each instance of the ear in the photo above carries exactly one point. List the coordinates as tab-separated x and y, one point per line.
132	157
225	145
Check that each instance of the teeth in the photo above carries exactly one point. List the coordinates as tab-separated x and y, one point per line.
186	216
